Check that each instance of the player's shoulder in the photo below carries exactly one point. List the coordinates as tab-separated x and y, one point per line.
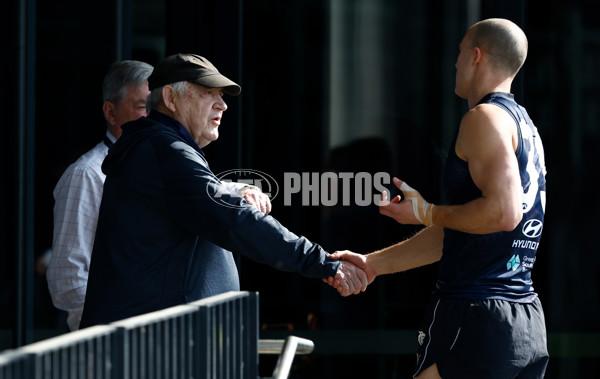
484	116
484	127
484	111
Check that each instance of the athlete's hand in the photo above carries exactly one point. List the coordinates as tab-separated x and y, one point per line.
413	209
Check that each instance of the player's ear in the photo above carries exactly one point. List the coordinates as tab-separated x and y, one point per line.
477	55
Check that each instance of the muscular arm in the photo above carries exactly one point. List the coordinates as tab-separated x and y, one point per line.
422	249
487	141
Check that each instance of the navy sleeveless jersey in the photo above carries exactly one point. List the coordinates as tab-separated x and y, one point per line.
496	265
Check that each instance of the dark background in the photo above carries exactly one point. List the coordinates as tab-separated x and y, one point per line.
364	85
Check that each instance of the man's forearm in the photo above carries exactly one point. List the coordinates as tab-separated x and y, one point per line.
420	250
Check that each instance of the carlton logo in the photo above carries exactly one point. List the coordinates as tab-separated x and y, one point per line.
533	228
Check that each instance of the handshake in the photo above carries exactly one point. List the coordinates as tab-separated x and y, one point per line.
353	275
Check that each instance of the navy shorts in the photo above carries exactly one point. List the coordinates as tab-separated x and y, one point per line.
483	339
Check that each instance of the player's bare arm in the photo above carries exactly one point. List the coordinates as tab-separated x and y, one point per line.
420	250
487	141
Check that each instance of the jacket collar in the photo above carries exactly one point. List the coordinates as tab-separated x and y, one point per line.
175	125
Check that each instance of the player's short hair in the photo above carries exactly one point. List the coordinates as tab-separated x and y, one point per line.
504	42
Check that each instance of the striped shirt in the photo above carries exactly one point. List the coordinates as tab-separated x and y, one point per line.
77	197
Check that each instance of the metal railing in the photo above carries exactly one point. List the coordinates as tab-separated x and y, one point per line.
215	337
84	353
287	350
158	344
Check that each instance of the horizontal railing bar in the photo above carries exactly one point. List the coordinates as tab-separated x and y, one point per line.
11	356
219	299
68	339
156	316
284	363
270	346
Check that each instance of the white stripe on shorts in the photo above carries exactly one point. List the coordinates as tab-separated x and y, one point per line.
429	341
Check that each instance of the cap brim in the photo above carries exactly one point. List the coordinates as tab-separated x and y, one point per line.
219	81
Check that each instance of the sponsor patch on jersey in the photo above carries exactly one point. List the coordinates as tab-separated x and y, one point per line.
513	263
533	228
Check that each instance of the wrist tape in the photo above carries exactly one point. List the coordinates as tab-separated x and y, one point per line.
422	210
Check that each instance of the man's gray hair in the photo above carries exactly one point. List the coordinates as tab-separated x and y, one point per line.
121	75
155	97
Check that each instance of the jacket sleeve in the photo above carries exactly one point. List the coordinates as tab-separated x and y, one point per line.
201	204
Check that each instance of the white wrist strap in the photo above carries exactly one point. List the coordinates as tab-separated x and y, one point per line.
422	210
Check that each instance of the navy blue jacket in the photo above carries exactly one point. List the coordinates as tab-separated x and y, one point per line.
162	241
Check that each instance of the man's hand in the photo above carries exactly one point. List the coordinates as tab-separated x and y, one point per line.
412	210
256	198
354	274
348	279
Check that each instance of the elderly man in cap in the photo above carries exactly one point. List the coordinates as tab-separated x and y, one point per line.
161	239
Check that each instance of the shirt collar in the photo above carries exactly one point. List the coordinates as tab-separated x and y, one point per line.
109	139
110	136
175	125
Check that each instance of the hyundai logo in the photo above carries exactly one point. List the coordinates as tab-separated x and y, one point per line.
533	228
